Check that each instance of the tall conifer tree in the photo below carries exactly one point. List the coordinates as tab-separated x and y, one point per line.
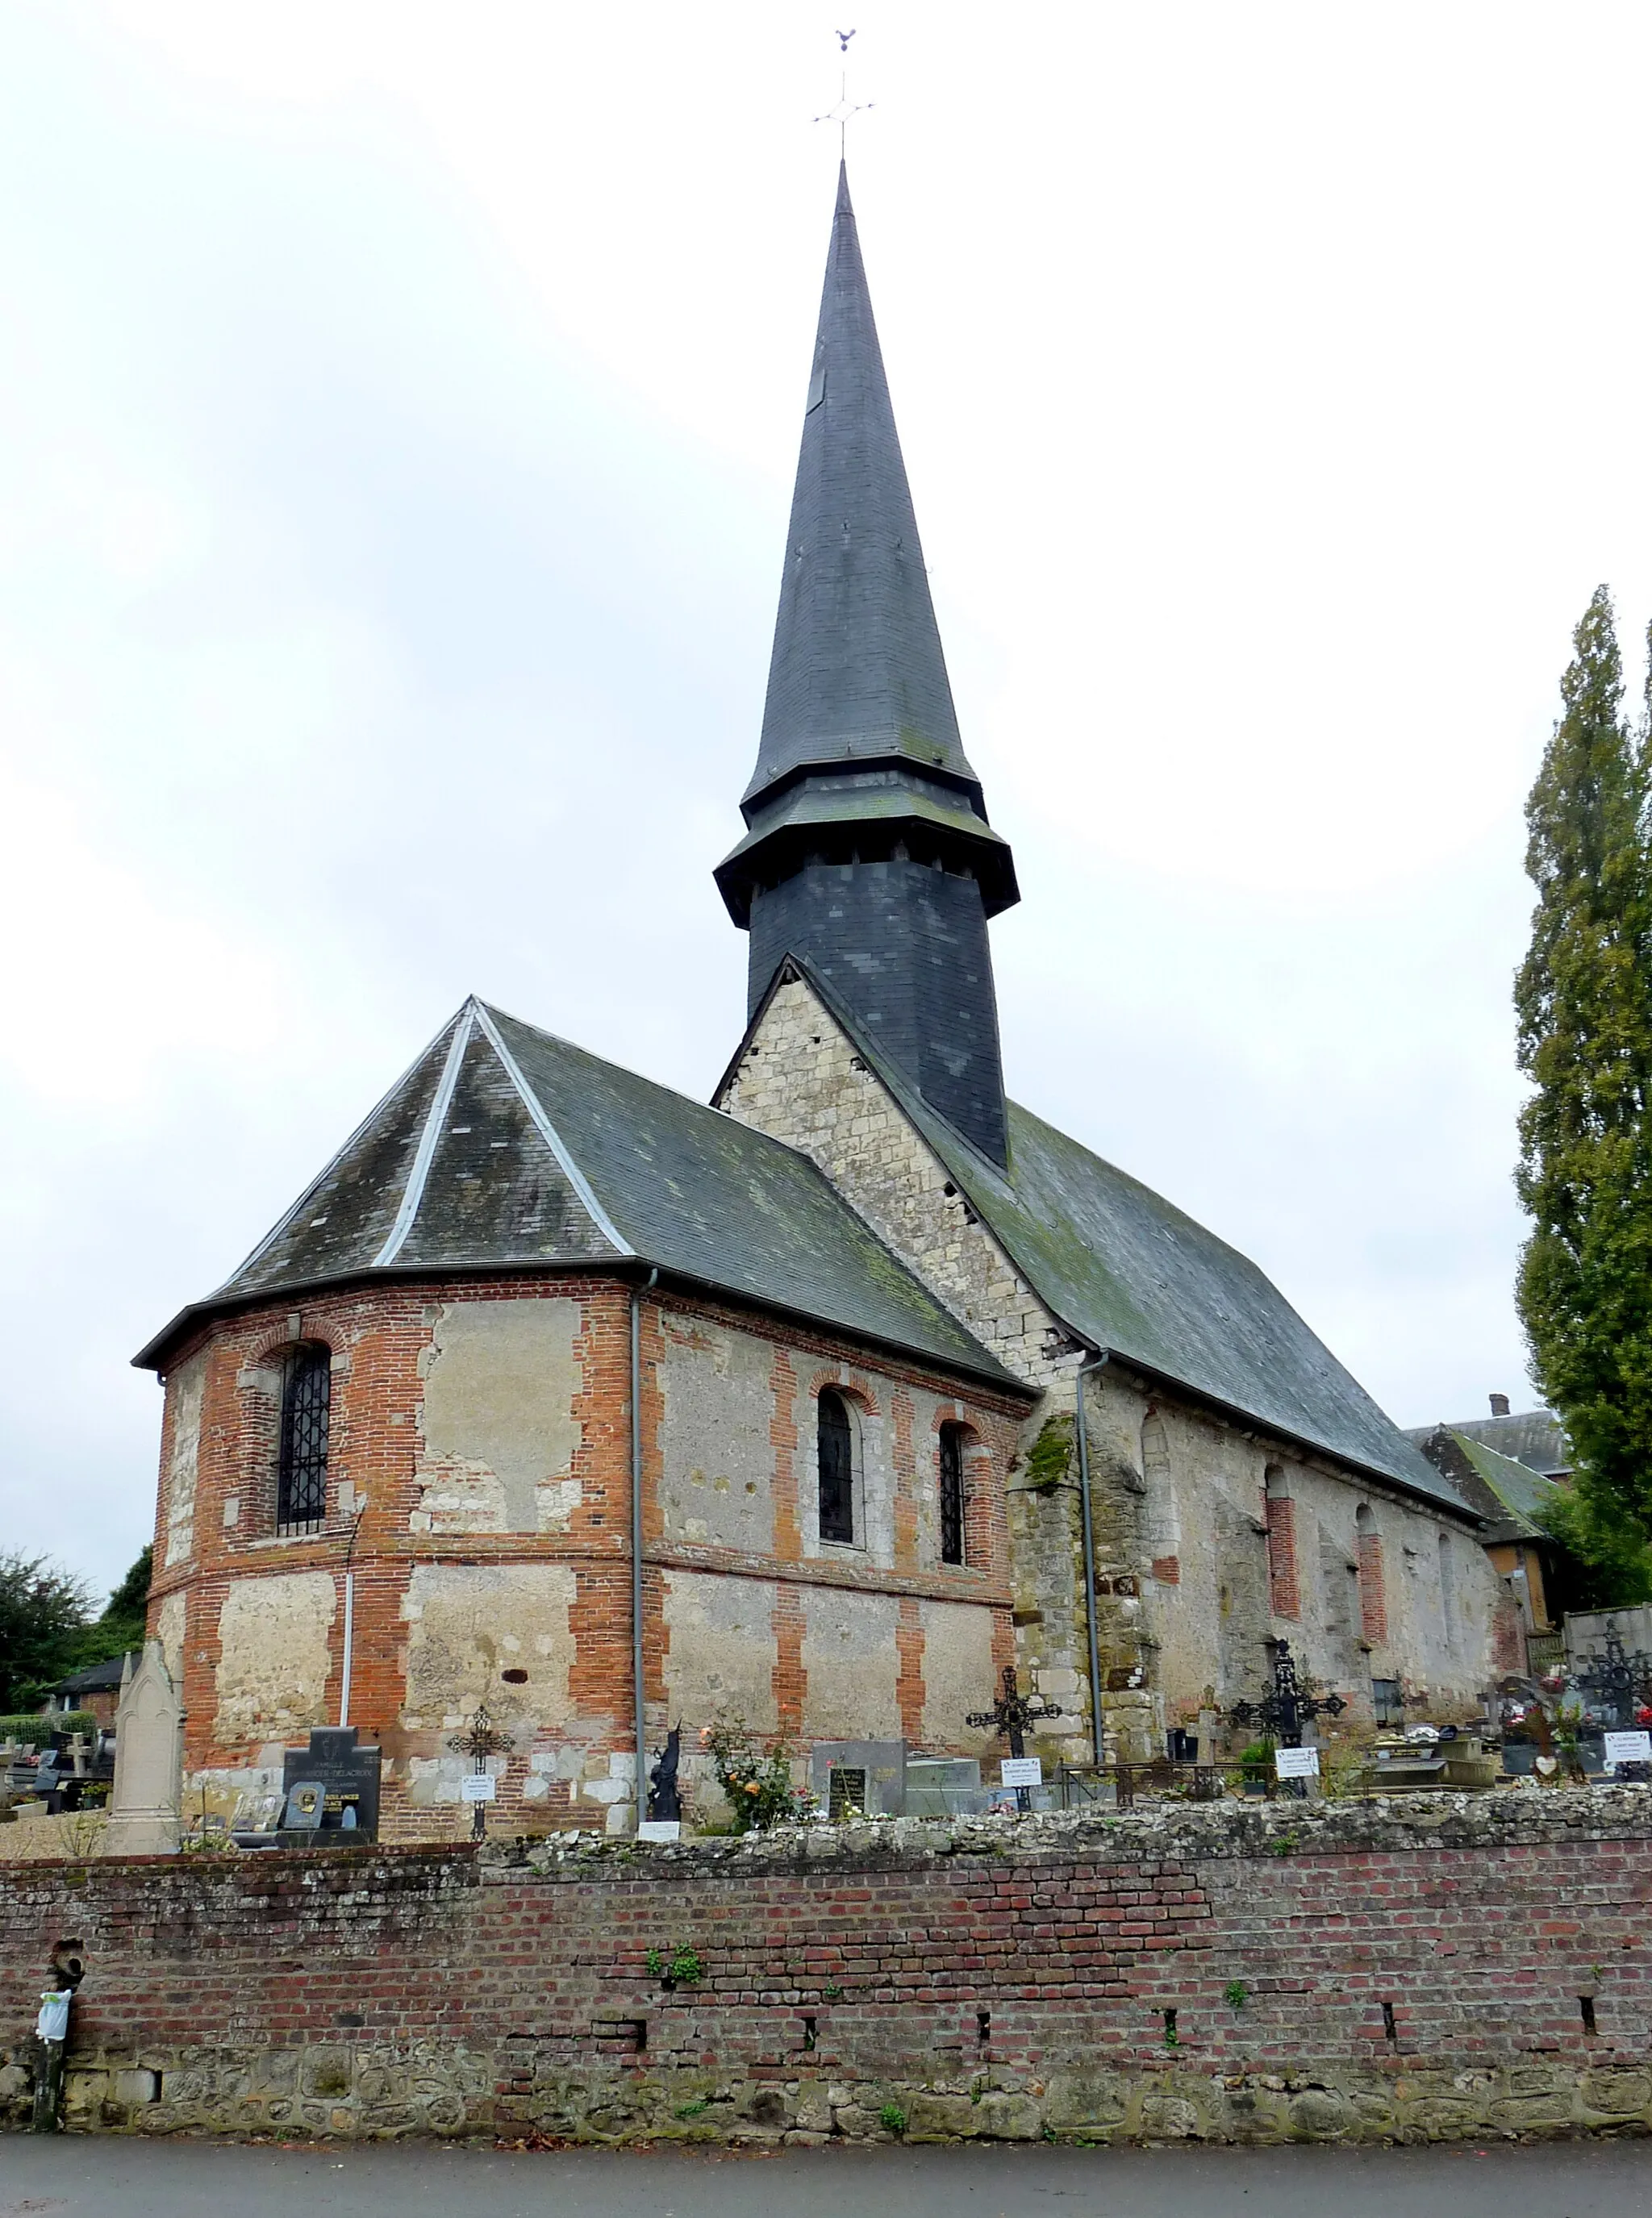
1584	1000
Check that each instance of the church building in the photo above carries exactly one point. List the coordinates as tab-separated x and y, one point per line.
560	1394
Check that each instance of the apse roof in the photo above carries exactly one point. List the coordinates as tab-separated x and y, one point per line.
1128	1272
506	1146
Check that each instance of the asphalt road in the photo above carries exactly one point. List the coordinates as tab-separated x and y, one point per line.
62	2178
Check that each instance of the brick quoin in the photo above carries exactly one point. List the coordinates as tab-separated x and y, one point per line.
518	1989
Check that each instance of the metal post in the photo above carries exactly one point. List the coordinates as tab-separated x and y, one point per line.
639	1680
349	1639
48	2091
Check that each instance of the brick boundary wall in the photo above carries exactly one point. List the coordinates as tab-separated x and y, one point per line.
1429	1968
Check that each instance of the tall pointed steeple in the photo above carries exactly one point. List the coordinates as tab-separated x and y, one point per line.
868	850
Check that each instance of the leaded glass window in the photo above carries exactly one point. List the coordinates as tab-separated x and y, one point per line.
952	1494
836	1443
301	1470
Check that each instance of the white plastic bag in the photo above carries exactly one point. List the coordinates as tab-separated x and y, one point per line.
53	2023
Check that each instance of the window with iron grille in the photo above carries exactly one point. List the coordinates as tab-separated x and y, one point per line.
836	1450
952	1494
302	1472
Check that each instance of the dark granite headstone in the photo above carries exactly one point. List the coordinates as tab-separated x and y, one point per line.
348	1773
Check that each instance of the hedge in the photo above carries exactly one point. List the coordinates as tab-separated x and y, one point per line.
37	1730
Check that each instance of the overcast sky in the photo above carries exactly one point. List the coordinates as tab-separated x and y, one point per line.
398	408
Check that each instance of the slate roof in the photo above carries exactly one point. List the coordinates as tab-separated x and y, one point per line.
96	1678
857	669
1513	1499
1523	1495
1128	1272
504	1146
1533	1437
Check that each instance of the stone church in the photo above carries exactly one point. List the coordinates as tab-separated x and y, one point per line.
561	1393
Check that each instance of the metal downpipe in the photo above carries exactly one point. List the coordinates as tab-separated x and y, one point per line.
1084	1369
639	1688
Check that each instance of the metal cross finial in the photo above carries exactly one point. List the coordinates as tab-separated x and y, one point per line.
844	108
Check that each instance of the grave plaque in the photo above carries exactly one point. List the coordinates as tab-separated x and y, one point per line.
307	1801
348	1775
1021	1771
874	1776
1296	1762
1628	1748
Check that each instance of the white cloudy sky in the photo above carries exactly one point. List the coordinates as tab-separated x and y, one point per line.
397	413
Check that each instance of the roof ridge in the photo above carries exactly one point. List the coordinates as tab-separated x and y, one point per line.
337	1155
547	1130
412	1193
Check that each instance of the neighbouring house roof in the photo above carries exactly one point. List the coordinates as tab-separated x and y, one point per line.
506	1146
1534	1437
1513	1498
96	1679
1128	1272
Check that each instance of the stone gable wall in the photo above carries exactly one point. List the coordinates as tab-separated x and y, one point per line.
1441	1967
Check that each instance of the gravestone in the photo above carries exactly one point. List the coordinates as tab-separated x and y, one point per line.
870	1777
143	1818
945	1787
348	1775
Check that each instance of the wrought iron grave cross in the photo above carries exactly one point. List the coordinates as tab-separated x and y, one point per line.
1011	1714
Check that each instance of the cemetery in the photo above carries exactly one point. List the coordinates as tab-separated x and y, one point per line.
1429	1966
1443	1940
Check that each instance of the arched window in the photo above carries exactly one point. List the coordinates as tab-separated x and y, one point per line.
836	1450
1449	1591
301	1466
1161	1527
952	1494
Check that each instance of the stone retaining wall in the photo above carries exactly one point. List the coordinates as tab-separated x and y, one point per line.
1423	1968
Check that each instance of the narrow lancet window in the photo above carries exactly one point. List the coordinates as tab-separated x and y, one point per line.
836	1469
952	1494
301	1470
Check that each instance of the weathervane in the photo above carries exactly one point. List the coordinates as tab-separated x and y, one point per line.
844	108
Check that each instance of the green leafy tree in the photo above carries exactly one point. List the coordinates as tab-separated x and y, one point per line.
42	1609
121	1625
1583	998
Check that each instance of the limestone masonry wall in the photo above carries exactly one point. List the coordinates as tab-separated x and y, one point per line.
1430	1969
1187	1594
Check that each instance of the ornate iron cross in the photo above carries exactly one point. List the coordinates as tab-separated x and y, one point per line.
480	1739
1616	1679
1283	1712
1011	1714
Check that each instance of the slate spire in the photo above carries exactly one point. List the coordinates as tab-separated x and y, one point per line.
857	670
868	850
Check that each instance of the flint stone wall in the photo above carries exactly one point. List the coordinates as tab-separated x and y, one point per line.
992	1978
